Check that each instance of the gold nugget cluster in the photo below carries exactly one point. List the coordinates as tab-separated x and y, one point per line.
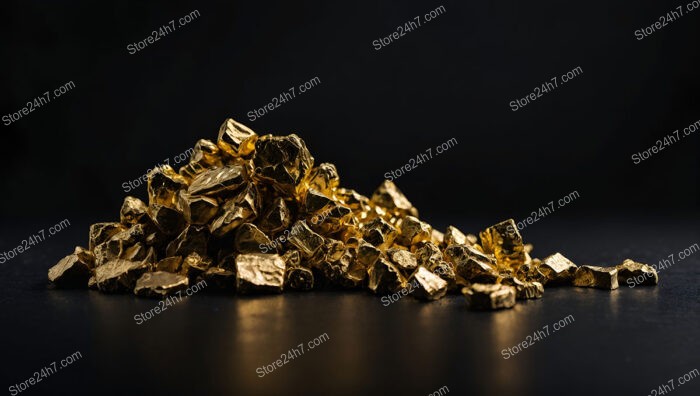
253	214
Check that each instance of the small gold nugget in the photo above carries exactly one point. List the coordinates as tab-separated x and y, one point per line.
429	285
160	284
259	273
599	277
634	273
489	296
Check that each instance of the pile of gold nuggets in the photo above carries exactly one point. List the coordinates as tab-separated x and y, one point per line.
252	214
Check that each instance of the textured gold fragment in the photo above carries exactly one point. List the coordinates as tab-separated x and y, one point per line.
427	254
133	209
299	278
384	277
194	265
524	289
414	231
390	197
164	184
197	210
307	241
403	259
160	284
236	139
276	217
428	285
282	161
453	236
557	270
323	178
632	272
250	239
102	232
598	277
489	296
119	275
169	264
471	264
379	233
259	273
71	272
504	241
217	181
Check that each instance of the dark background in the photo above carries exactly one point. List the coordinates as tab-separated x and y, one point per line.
372	112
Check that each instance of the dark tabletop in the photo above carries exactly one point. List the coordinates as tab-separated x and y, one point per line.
626	341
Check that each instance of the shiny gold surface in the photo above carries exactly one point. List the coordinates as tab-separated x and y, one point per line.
253	214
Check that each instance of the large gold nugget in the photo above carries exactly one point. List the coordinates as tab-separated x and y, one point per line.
197	210
403	259
119	275
471	264
236	139
164	184
304	239
72	271
282	161
168	219
414	231
429	285
323	178
243	208
133	209
524	290
557	270
249	239
390	197
102	232
504	241
427	254
206	154
453	236
384	277
259	273
634	273
299	278
160	284
598	277
487	297
216	181
277	217
379	233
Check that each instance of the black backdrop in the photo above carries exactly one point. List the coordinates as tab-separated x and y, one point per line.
372	111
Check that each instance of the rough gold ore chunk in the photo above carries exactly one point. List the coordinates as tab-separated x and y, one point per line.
236	139
437	237
119	275
259	273
243	208
504	241
384	277
414	231
102	232
133	209
206	154
277	217
429	285
170	264
282	161
213	182
453	236
489	296
471	264
403	259
194	265
299	278
390	197
292	257
367	254
446	271
72	271
85	256
323	178
523	289
379	233
192	239
634	273
168	219
557	270
598	277
249	239
197	210
427	254
164	184
160	284
218	279
358	203
304	239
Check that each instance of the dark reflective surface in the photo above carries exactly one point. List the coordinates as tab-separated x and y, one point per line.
627	341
